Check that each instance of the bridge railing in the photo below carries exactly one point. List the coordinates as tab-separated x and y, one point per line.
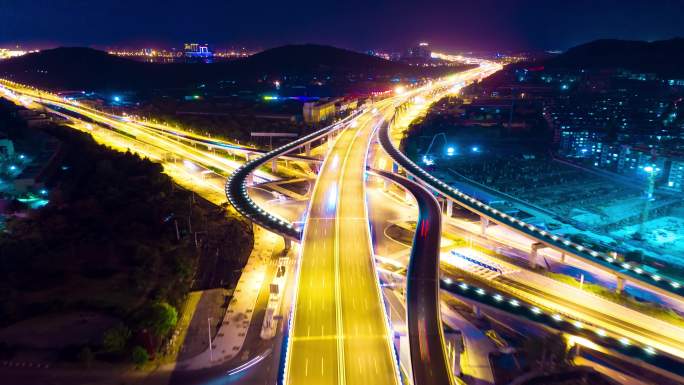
236	186
630	271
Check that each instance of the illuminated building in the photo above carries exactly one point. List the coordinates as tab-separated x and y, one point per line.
422	51
10	53
6	150
320	111
675	178
196	50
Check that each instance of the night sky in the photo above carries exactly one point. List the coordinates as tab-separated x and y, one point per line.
360	25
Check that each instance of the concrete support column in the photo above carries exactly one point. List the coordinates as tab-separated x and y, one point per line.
450	208
246	156
534	254
620	285
274	166
562	257
288	244
484	223
307	149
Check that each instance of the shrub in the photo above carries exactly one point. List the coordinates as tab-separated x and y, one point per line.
139	356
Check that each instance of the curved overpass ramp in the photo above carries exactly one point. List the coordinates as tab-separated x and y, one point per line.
429	359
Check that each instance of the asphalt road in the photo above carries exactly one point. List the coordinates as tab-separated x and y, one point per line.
339	334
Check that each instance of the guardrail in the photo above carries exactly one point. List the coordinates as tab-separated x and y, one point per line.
236	186
620	269
665	364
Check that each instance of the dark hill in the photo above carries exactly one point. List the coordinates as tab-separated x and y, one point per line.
664	57
317	58
85	68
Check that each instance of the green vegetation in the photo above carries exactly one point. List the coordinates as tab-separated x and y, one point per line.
160	318
649	308
139	356
119	238
116	339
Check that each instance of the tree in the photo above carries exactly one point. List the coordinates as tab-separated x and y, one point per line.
116	338
139	356
160	318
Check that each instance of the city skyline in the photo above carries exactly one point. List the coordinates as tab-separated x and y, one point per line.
491	25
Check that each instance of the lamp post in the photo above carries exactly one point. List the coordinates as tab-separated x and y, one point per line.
211	352
652	172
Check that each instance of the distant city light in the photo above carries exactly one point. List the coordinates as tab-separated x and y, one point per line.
117	99
428	161
648	169
451	151
475	149
43	192
399	90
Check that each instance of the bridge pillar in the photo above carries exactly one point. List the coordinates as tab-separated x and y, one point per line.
562	259
250	179
534	254
484	223
288	244
620	285
274	166
449	208
307	149
385	185
246	156
330	140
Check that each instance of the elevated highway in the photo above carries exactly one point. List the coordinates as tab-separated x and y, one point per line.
623	271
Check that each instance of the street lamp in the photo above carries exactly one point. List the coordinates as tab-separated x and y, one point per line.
652	172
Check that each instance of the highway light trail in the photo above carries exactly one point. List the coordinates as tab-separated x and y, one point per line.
339	334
